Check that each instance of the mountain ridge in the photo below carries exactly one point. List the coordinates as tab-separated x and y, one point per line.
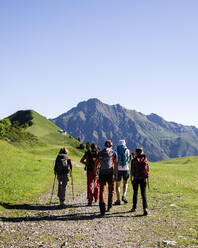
95	121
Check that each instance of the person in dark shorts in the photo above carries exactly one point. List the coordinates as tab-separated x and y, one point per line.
122	158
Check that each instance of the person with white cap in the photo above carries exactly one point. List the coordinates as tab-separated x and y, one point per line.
123	159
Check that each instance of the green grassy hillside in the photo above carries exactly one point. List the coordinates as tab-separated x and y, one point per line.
22	174
48	133
26	170
25	174
42	128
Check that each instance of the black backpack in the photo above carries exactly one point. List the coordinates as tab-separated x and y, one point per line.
61	164
91	156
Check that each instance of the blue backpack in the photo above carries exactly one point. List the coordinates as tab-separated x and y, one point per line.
122	155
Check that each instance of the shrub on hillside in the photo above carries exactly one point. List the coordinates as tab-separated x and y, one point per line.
2	130
5	124
81	147
22	117
15	132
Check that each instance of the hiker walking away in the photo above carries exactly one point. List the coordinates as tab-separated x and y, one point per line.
90	161
123	159
62	167
107	159
139	175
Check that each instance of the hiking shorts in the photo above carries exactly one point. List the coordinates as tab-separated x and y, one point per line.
123	174
106	176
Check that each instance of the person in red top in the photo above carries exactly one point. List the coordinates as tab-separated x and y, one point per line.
139	176
89	159
63	166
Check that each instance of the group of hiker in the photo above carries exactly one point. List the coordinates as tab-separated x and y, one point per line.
104	167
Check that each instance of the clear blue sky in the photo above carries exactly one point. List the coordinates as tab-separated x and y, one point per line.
142	54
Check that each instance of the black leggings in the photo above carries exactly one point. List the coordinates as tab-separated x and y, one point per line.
142	183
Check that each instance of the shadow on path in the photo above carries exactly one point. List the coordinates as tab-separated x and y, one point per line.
39	207
69	217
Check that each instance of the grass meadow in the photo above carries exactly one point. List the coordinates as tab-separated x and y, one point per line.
26	174
173	201
173	196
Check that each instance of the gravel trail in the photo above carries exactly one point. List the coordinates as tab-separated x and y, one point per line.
77	225
41	225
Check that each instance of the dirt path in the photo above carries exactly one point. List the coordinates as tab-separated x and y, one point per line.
75	226
46	226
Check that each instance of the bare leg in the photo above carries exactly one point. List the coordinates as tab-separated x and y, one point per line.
125	187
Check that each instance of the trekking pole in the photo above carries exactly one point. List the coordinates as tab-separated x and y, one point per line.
53	189
72	183
148	184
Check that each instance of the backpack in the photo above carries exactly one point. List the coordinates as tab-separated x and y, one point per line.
122	155
92	155
141	167
61	164
106	159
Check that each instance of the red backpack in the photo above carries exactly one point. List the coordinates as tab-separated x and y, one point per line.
141	167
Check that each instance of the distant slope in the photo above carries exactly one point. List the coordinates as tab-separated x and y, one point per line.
41	127
95	121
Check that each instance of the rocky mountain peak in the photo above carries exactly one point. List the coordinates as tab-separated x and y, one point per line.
95	121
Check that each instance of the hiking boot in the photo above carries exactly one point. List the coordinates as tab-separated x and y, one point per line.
89	203
145	212
62	204
132	210
124	199
117	202
109	206
102	208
